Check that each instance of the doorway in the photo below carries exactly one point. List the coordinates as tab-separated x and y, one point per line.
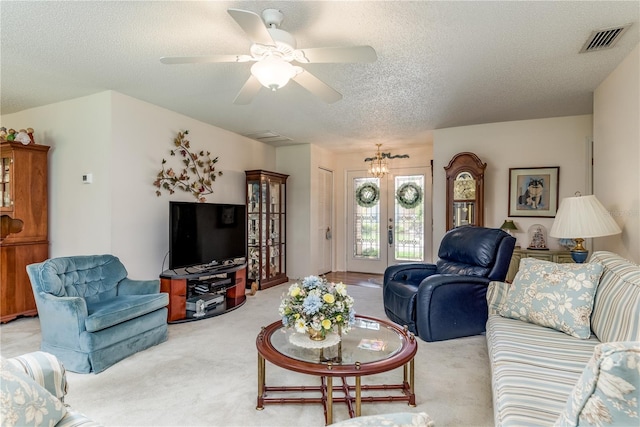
388	219
325	221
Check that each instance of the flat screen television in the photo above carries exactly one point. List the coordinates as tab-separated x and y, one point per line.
206	234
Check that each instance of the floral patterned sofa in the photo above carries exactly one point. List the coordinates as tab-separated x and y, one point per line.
32	391
564	343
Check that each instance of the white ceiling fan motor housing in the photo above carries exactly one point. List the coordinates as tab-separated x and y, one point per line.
272	17
285	42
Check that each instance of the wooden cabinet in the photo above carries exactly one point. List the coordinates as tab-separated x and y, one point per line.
465	190
266	228
23	195
518	254
227	284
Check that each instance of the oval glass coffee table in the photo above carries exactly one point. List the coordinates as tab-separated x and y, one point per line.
371	346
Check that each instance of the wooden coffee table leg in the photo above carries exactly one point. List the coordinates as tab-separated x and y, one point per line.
261	382
358	396
329	400
412	379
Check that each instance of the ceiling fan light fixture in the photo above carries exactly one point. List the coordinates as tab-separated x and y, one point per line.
273	72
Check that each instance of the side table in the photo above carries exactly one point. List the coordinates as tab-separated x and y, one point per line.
558	256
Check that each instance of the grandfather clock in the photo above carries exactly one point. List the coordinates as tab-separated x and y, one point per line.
465	190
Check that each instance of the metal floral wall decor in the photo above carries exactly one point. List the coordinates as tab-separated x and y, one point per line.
198	173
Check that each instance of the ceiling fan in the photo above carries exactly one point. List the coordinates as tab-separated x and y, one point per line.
273	51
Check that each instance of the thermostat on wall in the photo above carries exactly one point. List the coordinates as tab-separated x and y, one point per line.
87	178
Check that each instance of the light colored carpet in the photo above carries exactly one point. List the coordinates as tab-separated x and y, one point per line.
206	375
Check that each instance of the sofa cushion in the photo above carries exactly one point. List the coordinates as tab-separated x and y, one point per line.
616	310
558	296
24	401
606	393
103	314
533	370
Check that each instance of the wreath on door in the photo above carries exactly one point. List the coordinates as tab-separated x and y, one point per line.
367	195
409	195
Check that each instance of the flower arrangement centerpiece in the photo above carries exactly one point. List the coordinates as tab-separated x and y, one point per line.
317	307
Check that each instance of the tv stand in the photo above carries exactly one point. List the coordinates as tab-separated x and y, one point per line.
184	285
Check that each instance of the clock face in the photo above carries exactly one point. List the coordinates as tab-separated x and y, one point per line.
464	187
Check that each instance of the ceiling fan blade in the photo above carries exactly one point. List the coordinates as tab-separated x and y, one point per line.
204	59
248	91
317	87
338	54
252	24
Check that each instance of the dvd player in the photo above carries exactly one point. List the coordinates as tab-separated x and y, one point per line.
210	300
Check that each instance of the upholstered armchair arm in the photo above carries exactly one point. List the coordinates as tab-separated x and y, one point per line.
138	287
45	369
451	306
497	295
62	318
412	273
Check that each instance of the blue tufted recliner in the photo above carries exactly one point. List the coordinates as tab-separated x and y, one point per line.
92	315
448	299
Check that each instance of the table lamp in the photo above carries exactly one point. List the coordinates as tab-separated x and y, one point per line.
579	218
509	226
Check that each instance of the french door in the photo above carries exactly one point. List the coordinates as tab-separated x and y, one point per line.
388	219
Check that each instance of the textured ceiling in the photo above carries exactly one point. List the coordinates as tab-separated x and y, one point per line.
440	64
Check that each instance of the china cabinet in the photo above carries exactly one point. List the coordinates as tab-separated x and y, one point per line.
266	228
23	196
465	190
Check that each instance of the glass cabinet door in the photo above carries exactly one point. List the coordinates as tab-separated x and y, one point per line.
6	196
266	219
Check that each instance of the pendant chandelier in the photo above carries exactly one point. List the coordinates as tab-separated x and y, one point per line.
378	166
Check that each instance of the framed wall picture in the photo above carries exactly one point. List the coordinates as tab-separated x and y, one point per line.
533	192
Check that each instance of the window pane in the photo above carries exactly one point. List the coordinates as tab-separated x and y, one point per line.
409	227
367	218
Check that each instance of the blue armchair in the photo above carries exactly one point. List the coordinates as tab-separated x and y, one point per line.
448	299
92	315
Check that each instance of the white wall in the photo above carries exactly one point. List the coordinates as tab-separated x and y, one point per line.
79	134
122	141
295	161
558	141
616	133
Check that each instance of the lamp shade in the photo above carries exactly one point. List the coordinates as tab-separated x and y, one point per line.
583	217
273	72
508	225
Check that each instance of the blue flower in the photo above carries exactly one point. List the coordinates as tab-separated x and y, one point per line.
311	282
311	304
352	317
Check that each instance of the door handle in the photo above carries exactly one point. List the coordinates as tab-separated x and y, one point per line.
390	235
327	234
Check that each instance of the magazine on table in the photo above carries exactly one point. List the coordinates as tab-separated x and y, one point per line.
373	345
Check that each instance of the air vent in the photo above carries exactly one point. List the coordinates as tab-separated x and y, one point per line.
268	137
603	39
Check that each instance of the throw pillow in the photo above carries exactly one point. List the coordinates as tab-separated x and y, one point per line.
24	401
558	296
606	393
